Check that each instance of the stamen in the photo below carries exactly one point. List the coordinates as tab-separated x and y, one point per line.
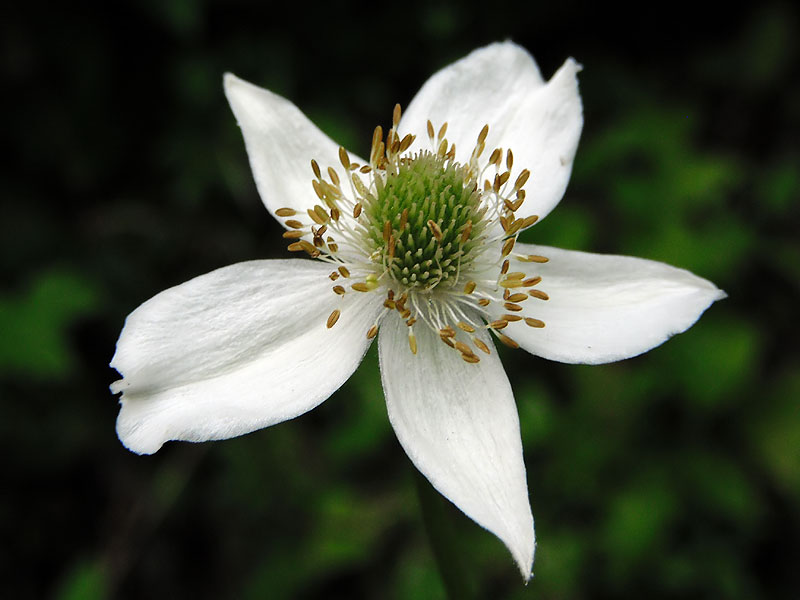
507	341
533	258
534	322
344	158
429	233
481	345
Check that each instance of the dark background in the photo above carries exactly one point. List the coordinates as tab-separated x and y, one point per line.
672	475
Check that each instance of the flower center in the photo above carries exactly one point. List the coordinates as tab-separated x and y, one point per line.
424	221
435	235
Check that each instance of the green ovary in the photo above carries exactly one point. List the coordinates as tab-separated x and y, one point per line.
426	187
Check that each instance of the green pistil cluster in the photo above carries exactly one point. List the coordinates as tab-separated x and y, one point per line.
425	221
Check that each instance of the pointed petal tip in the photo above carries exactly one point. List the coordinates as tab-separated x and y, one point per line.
526	565
231	83
228	79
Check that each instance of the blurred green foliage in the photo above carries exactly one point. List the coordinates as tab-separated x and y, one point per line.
673	474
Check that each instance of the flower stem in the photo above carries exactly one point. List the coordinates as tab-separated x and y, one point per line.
437	515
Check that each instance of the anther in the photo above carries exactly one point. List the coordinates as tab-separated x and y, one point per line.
435	230
334	176
518	297
470	358
534	322
294	224
499	324
357	210
533	258
321	213
466	232
315	168
463	348
334	276
465	327
396	115
315	217
508	246
512	306
511	283
412	343
469	287
343	270
481	346
372	332
292	235
507	341
339	290
539	294
532	281
285	212
512	318
482	135
333	318
523	177
343	158
360	287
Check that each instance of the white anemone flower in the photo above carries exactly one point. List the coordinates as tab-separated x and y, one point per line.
419	243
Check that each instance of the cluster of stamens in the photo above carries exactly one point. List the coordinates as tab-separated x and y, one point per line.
422	228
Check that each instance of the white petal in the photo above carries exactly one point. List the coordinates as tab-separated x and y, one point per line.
459	426
500	85
235	350
280	141
604	308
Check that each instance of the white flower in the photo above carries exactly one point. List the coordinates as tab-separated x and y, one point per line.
420	240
